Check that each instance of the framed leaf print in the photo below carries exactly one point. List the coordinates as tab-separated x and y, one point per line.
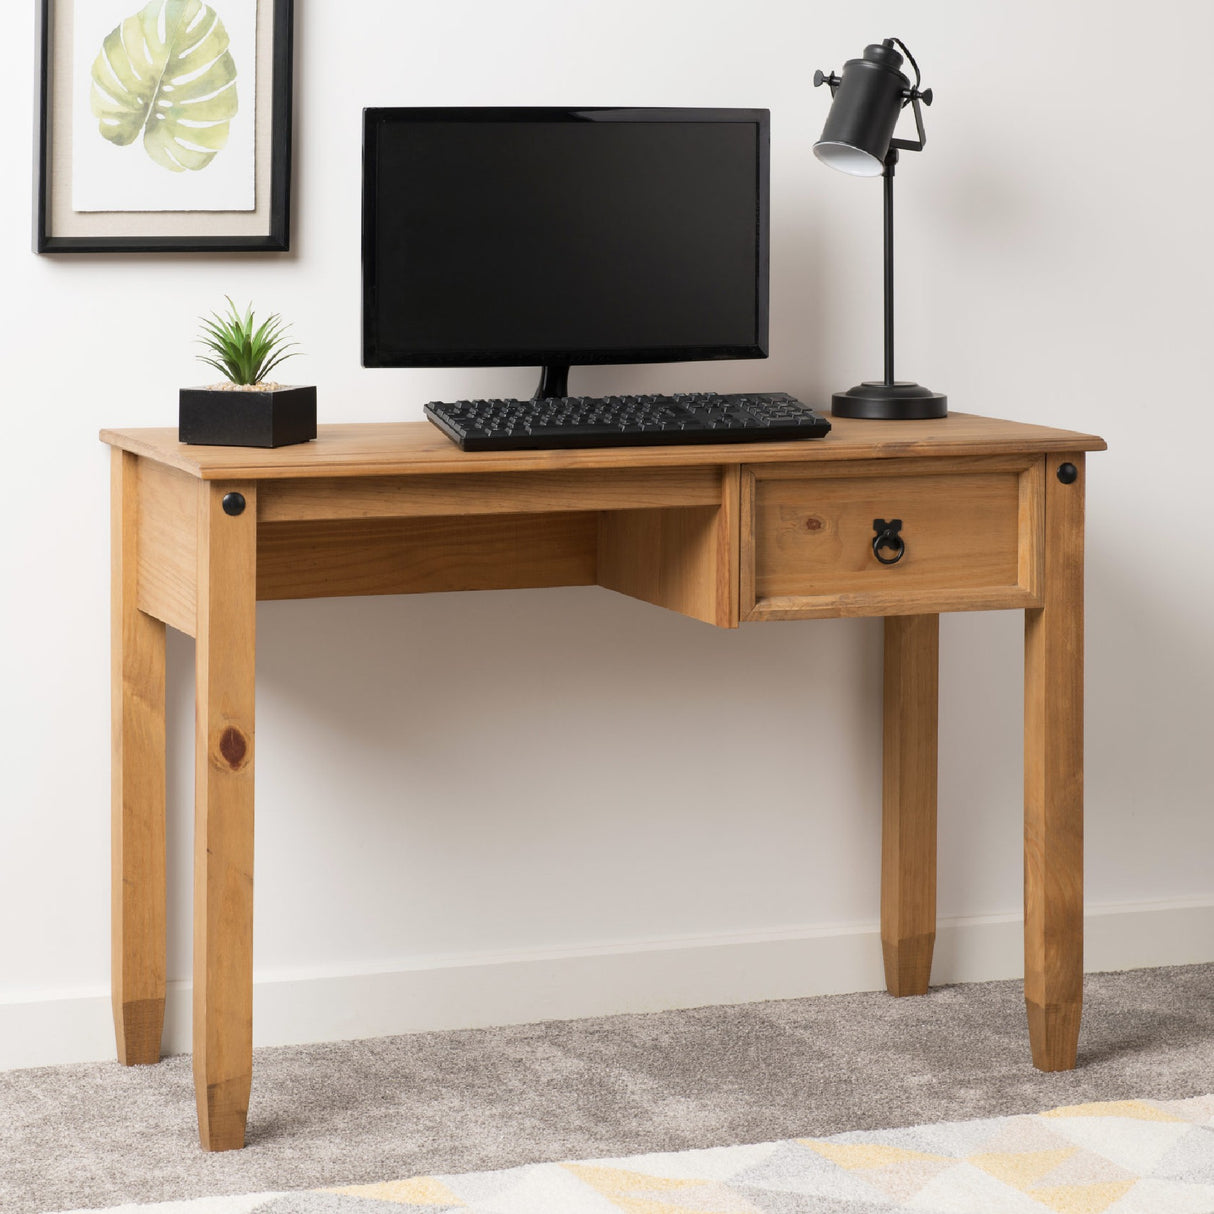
164	126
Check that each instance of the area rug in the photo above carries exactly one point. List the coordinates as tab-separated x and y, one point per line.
1119	1157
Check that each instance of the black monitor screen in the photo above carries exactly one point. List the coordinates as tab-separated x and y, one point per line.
524	237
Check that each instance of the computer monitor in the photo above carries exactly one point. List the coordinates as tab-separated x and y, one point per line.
556	237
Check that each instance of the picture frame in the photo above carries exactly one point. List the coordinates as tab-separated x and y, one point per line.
265	227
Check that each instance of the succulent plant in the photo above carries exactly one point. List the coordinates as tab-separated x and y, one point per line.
242	350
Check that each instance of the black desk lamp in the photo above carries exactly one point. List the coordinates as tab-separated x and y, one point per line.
858	139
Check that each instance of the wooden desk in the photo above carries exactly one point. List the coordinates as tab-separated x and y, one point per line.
725	534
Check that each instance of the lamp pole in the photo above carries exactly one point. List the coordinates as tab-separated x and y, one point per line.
891	159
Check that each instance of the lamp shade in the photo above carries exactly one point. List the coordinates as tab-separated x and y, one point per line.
870	95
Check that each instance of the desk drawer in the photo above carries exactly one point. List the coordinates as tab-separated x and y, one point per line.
970	531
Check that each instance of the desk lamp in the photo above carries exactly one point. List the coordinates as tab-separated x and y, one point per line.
858	139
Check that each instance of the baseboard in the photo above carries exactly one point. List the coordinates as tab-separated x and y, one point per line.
472	991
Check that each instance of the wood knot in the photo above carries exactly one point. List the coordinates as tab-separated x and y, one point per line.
813	524
234	746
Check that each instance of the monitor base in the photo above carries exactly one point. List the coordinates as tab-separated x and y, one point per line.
901	401
554	381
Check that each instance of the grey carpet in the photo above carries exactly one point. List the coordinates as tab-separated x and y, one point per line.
354	1112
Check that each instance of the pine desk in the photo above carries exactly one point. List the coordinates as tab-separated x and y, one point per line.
990	513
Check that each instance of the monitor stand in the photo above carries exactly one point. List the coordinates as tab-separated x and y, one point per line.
554	381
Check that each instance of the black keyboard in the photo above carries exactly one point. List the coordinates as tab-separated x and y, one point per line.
625	421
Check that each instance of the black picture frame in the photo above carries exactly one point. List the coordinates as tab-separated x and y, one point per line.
277	235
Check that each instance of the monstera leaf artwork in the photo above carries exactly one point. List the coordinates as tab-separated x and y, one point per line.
166	73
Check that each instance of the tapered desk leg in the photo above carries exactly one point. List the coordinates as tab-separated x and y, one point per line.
223	815
1053	782
137	888
908	836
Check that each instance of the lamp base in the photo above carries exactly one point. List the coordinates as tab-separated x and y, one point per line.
900	401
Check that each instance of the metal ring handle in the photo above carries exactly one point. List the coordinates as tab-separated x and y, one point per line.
885	540
887	536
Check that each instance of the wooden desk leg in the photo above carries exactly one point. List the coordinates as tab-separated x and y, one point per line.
908	834
137	886
223	815
1053	782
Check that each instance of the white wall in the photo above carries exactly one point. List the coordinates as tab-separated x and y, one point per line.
637	810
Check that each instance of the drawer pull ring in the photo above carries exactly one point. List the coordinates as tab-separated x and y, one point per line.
887	537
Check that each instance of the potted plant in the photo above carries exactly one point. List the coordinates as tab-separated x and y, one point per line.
248	410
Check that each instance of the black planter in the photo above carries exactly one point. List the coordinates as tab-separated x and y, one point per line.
238	418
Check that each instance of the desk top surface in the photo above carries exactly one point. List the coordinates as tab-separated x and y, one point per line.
413	448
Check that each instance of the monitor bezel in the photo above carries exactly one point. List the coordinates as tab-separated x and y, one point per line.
375	356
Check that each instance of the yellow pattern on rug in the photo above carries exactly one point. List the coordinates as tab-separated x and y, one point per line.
419	1191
